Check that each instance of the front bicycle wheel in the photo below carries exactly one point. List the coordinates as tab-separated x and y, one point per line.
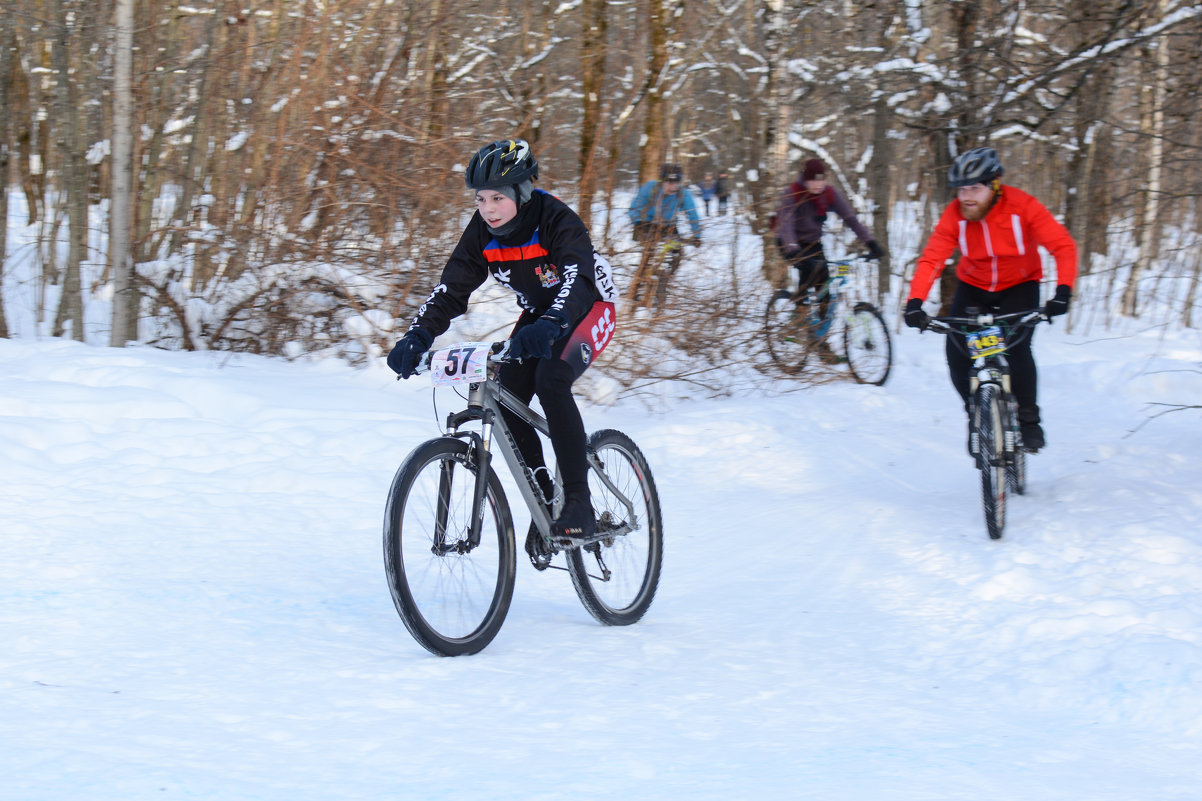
991	458
867	346
786	330
451	594
616	578
1016	457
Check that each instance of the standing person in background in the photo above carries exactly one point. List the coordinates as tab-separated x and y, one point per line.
998	231
722	190
708	191
802	212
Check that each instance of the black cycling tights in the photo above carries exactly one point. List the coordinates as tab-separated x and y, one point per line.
1021	297
550	379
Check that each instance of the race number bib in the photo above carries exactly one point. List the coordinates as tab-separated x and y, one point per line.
986	342
466	362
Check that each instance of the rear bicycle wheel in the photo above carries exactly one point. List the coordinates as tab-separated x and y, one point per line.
669	263
616	578
991	458
451	595
1016	457
786	331
867	345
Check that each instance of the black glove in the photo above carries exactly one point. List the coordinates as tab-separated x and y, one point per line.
534	341
408	350
915	317
1058	305
874	250
790	252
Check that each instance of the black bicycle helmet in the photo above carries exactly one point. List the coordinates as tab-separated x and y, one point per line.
502	163
671	172
977	166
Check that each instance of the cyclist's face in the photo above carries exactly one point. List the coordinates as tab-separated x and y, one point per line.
815	185
497	208
974	200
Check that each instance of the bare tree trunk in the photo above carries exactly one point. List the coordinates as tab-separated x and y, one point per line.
654	147
1152	126
773	161
125	295
592	67
880	190
7	47
70	307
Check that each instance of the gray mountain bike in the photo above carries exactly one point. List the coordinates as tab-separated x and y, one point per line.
449	551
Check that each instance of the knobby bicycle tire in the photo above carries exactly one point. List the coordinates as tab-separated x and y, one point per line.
1016	457
786	332
867	345
616	578
451	597
991	458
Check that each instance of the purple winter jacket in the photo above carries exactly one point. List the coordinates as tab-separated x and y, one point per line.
801	215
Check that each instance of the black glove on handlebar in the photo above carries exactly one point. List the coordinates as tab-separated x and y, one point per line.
915	317
874	250
534	341
1058	305
408	350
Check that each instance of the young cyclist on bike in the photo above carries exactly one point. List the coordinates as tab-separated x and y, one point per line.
800	216
998	230
531	242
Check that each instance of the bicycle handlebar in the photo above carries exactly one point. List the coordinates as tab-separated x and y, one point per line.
1022	319
1019	323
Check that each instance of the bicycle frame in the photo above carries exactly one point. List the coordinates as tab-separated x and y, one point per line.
840	271
485	401
990	367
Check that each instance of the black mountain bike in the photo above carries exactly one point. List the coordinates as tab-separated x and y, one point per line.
995	437
449	551
657	269
796	327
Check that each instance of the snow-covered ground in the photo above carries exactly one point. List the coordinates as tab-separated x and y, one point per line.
193	603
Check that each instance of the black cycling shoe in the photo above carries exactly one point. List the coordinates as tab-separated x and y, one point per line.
1033	440
575	523
537	548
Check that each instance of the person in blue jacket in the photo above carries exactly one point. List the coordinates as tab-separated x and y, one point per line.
534	244
654	212
658	204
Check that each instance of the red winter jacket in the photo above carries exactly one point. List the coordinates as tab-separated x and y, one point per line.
999	251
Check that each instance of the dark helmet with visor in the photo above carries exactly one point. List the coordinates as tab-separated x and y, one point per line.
671	172
977	166
503	163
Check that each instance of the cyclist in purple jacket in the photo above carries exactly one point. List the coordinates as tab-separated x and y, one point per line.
804	206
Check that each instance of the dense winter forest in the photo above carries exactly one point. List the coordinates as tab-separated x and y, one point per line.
296	178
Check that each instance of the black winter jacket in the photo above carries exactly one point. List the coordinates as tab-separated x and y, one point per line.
548	261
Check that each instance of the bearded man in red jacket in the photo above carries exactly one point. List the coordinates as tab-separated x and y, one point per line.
998	231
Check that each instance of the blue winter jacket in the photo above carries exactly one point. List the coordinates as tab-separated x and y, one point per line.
652	205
